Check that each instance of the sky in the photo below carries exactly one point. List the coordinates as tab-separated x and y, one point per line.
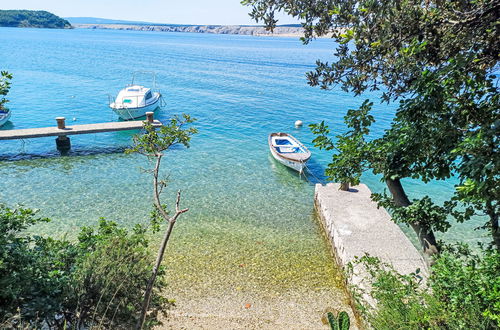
224	12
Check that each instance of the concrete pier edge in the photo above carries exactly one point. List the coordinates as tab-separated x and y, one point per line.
355	226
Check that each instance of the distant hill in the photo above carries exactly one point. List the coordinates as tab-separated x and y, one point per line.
279	31
287	30
97	20
107	21
33	19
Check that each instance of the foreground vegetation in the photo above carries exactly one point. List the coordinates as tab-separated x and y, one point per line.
463	292
96	281
33	19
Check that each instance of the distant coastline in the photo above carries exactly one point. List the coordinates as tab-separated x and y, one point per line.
279	31
32	19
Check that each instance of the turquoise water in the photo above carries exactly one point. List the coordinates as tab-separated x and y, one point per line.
240	88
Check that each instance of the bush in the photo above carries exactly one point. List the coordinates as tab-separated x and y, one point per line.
5	78
96	281
463	280
463	292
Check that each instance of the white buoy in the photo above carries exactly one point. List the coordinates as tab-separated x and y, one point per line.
298	123
74	118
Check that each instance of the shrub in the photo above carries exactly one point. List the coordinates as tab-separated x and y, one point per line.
466	281
5	78
96	281
463	292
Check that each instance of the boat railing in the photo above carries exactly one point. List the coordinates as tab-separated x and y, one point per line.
153	89
152	73
111	99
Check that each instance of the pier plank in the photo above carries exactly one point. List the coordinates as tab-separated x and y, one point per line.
73	130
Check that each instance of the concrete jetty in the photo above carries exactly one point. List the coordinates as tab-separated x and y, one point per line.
355	227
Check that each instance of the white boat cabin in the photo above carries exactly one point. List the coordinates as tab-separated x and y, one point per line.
134	96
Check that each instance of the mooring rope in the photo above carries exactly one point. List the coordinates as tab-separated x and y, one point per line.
23	145
312	173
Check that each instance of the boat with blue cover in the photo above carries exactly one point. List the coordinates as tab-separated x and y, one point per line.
289	151
4	116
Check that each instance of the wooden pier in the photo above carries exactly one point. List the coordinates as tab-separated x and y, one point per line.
62	131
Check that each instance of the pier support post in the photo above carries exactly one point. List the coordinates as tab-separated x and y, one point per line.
63	143
149	117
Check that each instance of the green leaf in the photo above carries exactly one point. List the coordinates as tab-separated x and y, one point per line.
344	321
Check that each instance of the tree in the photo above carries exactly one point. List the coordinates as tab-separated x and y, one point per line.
4	88
436	60
349	162
153	143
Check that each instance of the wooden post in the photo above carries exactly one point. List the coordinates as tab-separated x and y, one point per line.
149	117
61	122
63	143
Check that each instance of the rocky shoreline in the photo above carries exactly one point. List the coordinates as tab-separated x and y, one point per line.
280	31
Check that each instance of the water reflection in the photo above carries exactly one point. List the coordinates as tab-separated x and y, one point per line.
314	173
8	125
74	152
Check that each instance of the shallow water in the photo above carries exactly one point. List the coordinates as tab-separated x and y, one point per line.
245	208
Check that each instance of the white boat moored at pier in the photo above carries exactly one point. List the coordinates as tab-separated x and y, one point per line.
134	100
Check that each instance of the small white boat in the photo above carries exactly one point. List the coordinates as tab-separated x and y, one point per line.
4	116
135	100
289	151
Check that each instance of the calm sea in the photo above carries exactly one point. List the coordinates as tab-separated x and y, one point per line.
240	88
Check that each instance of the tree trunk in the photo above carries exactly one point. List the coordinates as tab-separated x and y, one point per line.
344	186
152	279
424	233
495	230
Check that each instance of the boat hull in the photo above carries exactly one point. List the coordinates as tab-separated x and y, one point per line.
133	113
297	163
4	117
297	166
